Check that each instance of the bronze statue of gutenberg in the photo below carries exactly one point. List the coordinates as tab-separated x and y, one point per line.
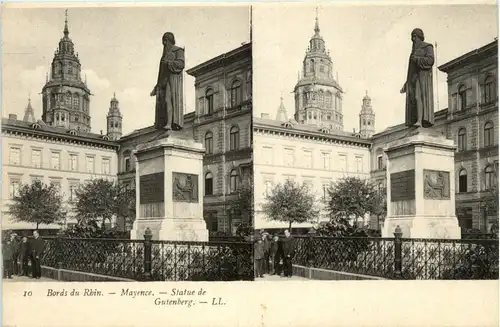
169	114
418	86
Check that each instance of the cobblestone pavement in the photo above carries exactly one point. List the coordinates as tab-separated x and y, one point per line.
276	278
27	279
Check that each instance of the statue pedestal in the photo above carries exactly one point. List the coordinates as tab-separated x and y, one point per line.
421	187
169	189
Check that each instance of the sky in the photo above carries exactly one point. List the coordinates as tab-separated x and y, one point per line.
119	50
369	46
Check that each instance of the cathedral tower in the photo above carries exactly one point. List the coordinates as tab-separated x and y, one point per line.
367	118
114	120
318	96
65	97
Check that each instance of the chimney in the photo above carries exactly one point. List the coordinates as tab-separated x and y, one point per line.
12	117
101	131
264	116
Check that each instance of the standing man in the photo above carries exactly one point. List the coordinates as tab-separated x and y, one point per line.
267	249
273	252
37	246
258	257
288	251
7	257
15	254
24	255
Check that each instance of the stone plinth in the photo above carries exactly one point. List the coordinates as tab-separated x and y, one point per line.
421	187
169	189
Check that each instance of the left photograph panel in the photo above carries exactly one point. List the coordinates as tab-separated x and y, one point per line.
127	144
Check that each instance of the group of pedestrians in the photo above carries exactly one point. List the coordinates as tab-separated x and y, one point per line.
21	254
273	255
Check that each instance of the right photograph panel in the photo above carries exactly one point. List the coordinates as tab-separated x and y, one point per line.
375	139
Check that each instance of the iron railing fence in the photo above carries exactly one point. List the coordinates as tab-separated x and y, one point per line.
360	255
400	258
146	260
449	259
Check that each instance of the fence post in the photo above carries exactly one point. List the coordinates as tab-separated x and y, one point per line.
397	252
148	235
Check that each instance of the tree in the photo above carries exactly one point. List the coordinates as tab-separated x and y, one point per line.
292	203
353	198
244	205
37	203
99	200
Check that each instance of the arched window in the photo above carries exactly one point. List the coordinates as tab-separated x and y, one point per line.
311	67
209	98
489	90
489	174
209	142
321	97
462	95
488	134
233	180
462	139
462	181
235	93
209	184
126	161
234	138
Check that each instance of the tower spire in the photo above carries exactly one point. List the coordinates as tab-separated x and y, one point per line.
66	30
316	25
282	115
29	114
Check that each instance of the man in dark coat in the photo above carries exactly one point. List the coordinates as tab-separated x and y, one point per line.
288	251
15	254
278	259
24	255
37	246
273	252
418	86
7	258
258	258
267	249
